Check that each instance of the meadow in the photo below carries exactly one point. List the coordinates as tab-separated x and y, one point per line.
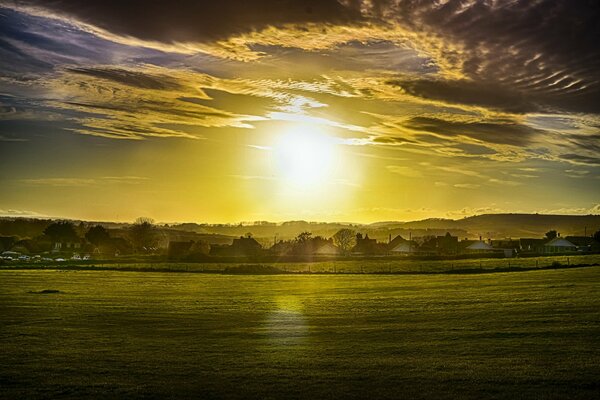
121	334
324	265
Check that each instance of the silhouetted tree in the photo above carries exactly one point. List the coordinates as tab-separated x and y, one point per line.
97	235
551	234
302	243
143	234
80	229
597	236
345	239
61	231
304	237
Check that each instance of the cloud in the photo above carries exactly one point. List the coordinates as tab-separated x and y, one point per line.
505	182
140	102
19	213
466	185
404	171
132	78
518	55
484	94
11	138
541	54
500	132
84	182
194	21
581	159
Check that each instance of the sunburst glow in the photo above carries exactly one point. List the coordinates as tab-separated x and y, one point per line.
304	156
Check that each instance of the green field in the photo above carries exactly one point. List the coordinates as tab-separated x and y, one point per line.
339	266
116	334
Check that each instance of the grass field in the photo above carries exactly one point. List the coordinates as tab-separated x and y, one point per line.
115	334
351	265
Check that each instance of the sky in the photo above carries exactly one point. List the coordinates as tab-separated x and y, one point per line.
322	110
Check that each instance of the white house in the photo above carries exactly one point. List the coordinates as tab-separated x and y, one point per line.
559	245
480	247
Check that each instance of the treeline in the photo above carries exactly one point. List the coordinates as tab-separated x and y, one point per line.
43	236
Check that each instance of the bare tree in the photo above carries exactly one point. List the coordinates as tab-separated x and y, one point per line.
345	239
143	234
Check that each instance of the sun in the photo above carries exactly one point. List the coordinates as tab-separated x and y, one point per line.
304	156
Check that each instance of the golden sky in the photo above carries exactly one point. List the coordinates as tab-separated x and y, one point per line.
278	110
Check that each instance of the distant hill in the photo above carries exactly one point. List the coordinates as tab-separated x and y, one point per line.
512	225
493	226
533	225
486	225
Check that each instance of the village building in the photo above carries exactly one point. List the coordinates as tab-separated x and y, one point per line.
328	249
559	245
282	248
368	246
585	244
532	246
480	247
447	244
242	247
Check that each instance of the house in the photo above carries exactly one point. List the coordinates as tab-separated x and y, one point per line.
178	250
328	249
282	248
399	245
189	250
527	245
585	244
368	246
396	241
447	244
559	245
508	246
404	248
480	247
242	247
67	245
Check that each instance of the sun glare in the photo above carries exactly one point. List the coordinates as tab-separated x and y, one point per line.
304	156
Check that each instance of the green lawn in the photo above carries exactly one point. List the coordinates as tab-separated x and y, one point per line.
154	335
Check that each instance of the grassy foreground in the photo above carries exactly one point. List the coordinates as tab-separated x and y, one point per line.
156	335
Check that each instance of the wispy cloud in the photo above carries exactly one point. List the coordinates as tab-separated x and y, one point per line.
83	182
466	185
20	213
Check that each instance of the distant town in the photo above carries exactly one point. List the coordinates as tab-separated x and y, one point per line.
38	240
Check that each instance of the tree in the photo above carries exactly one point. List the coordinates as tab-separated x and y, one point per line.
597	236
302	243
143	234
345	239
304	237
61	231
551	234
97	235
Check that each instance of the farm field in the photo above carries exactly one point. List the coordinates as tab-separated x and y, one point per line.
350	266
121	334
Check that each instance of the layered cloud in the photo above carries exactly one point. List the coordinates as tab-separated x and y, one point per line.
487	87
